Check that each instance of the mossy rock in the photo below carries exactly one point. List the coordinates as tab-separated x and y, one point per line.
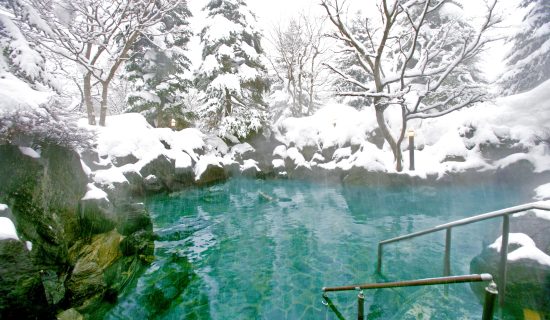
22	295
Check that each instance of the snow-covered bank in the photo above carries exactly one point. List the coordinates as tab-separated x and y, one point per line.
489	136
338	140
130	151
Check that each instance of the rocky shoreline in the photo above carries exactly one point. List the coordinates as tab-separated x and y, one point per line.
90	234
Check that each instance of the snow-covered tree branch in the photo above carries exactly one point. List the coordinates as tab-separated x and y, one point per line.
299	54
98	36
415	55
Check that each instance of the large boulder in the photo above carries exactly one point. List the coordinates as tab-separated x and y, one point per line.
528	265
96	216
43	194
22	294
74	240
91	260
211	174
163	170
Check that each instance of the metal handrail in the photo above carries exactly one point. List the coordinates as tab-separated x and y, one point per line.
413	283
504	213
488	306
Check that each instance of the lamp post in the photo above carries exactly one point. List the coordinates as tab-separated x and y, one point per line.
410	134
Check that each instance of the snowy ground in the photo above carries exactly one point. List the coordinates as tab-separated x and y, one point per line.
336	137
521	121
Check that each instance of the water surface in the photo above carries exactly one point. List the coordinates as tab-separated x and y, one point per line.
255	249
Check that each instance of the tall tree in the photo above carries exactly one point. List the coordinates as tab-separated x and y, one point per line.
158	70
18	56
97	35
233	74
413	66
528	62
297	62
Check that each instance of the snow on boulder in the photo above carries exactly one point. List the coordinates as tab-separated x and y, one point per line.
209	169
334	125
7	229
527	249
542	192
94	193
280	151
30	152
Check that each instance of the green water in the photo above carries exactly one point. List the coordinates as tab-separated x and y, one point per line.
226	252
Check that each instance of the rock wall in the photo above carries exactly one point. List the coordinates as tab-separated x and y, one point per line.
72	253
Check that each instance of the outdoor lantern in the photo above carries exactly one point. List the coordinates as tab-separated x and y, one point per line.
410	134
173	123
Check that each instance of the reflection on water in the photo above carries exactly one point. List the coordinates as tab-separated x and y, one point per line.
250	249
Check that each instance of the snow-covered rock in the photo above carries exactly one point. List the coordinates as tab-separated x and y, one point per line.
7	229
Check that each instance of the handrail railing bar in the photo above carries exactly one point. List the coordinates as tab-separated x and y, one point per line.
502	270
480	217
332	307
414	283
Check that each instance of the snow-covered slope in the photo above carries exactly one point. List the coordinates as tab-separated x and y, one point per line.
128	143
518	127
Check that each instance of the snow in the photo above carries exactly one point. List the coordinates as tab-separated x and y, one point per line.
28	244
94	193
29	152
204	162
130	134
16	95
227	81
527	249
542	192
183	160
278	163
220	28
241	148
450	143
7	229
3	207
333	125
248	164
109	176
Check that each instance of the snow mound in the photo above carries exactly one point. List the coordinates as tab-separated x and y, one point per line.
94	193
527	249
17	96
7	229
542	192
334	125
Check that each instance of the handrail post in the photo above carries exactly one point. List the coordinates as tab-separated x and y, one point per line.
447	258
360	306
503	257
491	293
379	261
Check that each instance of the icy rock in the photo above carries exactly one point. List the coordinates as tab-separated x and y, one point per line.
528	266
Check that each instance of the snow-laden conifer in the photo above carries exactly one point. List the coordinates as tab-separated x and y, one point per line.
159	69
528	62
233	73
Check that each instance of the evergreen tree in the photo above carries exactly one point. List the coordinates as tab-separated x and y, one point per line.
528	63
158	69
18	55
233	74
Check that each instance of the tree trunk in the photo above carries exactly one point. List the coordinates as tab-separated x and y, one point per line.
103	108
395	146
159	113
87	88
228	106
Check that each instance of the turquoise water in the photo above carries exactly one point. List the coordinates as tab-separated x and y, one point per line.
228	252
